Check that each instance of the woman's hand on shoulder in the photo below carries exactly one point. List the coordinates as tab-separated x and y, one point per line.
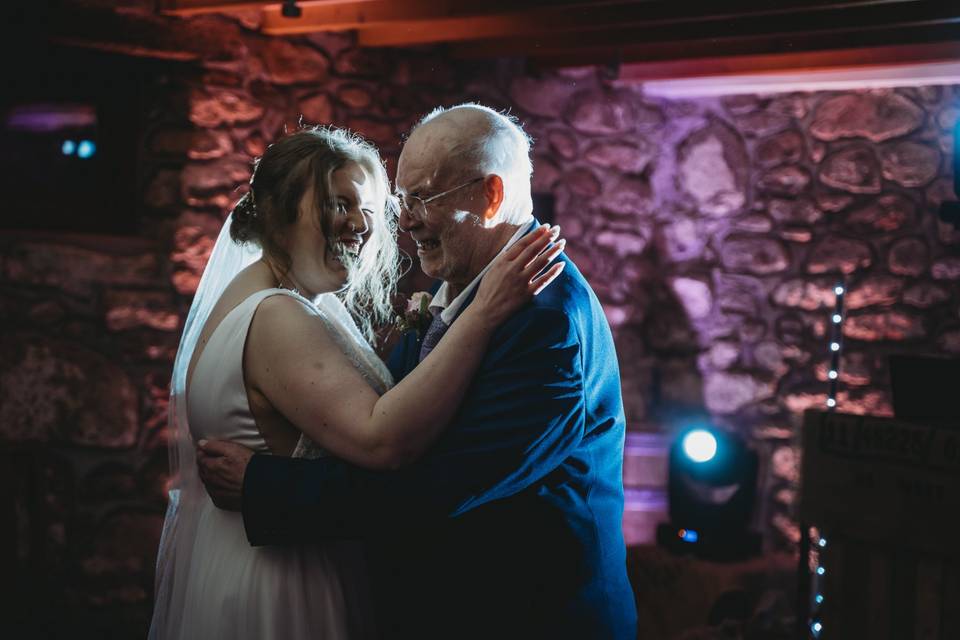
519	273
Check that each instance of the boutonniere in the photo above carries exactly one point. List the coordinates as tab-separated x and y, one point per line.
416	314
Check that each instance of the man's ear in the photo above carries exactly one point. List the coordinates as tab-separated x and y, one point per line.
493	193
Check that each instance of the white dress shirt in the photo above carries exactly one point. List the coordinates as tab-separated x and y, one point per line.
450	308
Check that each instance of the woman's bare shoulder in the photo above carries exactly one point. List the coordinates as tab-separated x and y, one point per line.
285	322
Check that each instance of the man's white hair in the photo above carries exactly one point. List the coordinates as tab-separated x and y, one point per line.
496	144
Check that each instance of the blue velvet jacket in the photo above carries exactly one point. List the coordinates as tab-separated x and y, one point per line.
510	524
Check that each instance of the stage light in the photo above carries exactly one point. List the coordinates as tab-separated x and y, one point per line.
700	445
834	346
69	146
688	535
821	571
816	627
838	290
837	318
832	374
819	598
822	542
86	149
831	402
712	488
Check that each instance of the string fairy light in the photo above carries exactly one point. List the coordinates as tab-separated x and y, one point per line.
836	344
814	543
814	622
819	571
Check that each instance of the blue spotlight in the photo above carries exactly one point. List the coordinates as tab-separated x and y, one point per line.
700	445
69	146
688	535
86	149
711	487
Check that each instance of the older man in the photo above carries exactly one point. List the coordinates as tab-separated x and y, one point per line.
509	526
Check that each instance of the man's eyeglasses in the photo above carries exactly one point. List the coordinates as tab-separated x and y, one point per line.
416	207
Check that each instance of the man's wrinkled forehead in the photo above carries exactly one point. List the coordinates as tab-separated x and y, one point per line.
424	158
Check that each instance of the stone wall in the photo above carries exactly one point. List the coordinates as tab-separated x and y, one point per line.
713	231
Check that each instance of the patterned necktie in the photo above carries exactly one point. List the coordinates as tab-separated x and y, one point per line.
434	332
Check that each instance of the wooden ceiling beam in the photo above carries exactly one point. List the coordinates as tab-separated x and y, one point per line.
197	7
400	22
342	14
632	44
366	14
557	27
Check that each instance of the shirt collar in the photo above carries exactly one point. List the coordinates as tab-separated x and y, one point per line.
449	309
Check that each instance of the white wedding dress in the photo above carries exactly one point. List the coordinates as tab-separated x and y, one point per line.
211	583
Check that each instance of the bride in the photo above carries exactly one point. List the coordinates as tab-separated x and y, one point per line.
313	241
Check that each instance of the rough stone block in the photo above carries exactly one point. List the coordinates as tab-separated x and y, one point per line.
223	108
909	163
77	269
610	112
908	257
873	291
838	254
140	309
925	294
58	392
947	268
783	148
854	169
285	62
712	169
757	255
889	325
629	157
542	96
876	115
809	295
799	211
788	180
727	393
889	212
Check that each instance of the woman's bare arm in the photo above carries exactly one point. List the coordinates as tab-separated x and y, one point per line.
295	363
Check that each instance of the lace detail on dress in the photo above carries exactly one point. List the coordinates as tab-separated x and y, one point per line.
344	332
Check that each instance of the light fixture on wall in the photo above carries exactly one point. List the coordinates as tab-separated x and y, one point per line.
290	9
712	489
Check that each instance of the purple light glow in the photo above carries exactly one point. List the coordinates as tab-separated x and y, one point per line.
46	118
